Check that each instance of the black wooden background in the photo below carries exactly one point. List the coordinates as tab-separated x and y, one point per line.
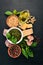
36	9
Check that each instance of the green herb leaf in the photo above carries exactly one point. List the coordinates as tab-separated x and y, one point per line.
24	53
8	13
34	44
14	40
23	44
12	37
30	53
27	49
14	11
18	13
8	35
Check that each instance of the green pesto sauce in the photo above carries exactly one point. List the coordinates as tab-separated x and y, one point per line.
16	33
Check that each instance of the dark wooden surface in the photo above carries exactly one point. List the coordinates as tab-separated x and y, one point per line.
36	9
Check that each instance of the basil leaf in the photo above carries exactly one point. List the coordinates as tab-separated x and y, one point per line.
8	35
30	54
8	13
18	13
14	11
12	37
27	49
14	40
34	44
24	53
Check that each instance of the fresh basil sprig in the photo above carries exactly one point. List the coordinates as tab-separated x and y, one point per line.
26	49
15	12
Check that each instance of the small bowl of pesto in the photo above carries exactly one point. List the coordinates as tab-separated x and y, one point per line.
14	35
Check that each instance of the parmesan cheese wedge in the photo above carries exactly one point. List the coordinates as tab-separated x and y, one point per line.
27	32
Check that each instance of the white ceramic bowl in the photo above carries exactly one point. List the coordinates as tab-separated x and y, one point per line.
21	35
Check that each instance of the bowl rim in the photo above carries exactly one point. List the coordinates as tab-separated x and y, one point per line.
21	35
